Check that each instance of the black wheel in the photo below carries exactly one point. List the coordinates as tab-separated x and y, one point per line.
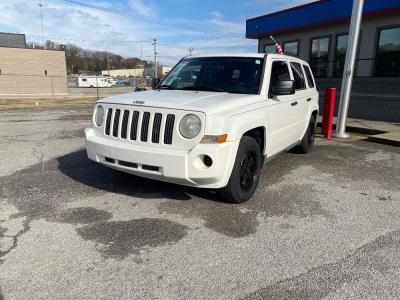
307	143
245	174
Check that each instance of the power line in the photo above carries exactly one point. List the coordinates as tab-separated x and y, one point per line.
196	28
72	40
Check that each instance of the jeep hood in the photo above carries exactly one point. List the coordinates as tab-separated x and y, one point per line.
207	102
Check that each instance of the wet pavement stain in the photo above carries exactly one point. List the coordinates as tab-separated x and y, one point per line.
44	190
321	281
227	219
81	215
238	221
123	238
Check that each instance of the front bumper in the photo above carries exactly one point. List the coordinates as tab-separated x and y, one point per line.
171	165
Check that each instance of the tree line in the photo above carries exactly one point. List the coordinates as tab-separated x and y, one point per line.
86	61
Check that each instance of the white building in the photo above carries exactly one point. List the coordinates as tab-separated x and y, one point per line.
124	73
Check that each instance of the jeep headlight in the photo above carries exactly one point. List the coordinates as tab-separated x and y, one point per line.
190	126
99	115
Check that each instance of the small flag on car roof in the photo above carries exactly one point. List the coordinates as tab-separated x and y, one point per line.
279	49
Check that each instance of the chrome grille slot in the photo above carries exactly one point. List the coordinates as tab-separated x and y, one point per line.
124	128
108	121
155	138
145	127
116	122
169	129
140	126
134	125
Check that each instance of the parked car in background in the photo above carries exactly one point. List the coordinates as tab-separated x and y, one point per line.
212	122
122	82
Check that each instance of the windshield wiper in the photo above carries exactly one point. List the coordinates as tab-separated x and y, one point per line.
203	88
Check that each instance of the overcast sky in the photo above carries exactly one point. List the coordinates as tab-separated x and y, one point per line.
97	29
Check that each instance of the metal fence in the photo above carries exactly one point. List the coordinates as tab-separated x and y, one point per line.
12	85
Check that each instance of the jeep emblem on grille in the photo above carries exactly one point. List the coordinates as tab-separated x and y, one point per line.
138	102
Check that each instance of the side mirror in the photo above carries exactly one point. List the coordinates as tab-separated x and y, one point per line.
283	87
155	82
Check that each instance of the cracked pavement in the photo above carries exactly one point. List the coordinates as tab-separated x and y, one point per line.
324	225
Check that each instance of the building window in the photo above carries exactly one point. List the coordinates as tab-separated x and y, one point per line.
340	54
45	72
291	48
319	57
388	54
270	49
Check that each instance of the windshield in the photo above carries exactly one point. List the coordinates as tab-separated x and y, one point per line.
241	75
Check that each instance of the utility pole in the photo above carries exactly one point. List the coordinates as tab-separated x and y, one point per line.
41	21
349	66
108	63
155	58
141	51
190	51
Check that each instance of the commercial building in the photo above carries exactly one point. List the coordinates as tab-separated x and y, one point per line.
318	33
161	70
31	72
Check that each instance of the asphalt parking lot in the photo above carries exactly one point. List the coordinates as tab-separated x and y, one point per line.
324	225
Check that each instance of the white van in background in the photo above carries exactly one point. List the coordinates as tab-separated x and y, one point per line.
94	81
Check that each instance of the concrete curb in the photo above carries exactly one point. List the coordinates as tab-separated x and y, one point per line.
391	138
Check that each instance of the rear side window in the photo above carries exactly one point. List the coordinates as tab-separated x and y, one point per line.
309	76
299	80
279	71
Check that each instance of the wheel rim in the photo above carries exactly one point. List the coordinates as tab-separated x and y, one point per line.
248	168
311	134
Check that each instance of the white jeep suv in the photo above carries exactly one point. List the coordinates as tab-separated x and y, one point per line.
212	122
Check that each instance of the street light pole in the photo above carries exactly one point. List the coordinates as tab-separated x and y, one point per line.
155	58
41	21
349	66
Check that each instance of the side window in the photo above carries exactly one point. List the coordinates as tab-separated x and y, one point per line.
309	76
84	79
279	71
299	80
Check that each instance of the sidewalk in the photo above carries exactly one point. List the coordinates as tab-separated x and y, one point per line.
378	132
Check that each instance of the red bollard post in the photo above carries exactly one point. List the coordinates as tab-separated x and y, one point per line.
329	108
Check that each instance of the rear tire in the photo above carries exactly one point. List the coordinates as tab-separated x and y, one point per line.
307	143
245	174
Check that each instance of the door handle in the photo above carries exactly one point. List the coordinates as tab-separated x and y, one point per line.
294	103
309	99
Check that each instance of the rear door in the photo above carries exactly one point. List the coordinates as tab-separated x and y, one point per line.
300	101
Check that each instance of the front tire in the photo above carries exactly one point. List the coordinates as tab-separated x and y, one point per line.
246	172
307	143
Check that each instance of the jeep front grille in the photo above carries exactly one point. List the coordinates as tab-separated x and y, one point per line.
140	126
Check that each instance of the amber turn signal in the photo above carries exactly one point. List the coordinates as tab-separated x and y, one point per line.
214	139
